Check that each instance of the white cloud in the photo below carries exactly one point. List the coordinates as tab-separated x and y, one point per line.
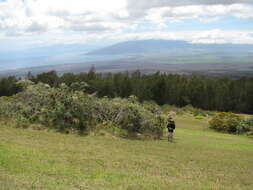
85	20
141	7
143	4
201	12
194	36
31	15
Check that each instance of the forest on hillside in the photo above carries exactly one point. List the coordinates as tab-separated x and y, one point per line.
209	93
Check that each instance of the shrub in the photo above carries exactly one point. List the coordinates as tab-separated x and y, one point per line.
24	84
152	107
59	108
195	111
230	123
225	122
130	116
199	117
171	109
245	126
69	109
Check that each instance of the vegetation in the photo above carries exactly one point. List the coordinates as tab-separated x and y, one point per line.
8	86
89	102
208	93
97	104
231	123
198	159
69	110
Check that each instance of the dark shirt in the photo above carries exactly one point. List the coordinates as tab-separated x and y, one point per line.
171	126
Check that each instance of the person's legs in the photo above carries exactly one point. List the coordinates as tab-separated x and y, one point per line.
170	136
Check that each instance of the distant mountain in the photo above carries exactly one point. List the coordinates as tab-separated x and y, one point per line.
44	55
165	46
140	46
147	56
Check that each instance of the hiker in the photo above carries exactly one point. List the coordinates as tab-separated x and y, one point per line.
171	127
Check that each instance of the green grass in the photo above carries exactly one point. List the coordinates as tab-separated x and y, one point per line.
199	159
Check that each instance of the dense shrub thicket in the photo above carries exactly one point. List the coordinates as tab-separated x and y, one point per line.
69	109
231	123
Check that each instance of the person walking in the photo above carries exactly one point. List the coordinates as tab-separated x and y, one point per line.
171	127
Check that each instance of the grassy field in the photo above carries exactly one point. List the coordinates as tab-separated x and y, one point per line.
199	159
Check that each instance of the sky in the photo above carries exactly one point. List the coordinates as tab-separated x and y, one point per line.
28	24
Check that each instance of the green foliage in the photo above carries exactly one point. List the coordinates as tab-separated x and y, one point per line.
24	84
8	86
231	123
79	86
69	109
189	109
207	93
56	108
169	108
51	78
135	119
225	122
130	115
152	106
247	126
199	117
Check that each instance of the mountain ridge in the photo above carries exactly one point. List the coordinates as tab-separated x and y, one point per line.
163	46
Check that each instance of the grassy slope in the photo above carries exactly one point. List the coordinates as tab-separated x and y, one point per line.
199	159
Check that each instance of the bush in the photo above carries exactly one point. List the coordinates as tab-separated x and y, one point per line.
59	108
197	112
245	125
230	123
152	107
199	117
69	109
130	116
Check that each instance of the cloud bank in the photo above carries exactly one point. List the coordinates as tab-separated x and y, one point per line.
80	20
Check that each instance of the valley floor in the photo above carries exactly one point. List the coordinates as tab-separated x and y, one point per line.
199	159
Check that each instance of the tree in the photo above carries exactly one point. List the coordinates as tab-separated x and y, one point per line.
50	78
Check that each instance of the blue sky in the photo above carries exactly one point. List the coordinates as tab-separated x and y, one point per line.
26	24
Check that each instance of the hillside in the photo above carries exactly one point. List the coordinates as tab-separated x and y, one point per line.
62	138
178	47
140	46
199	159
147	56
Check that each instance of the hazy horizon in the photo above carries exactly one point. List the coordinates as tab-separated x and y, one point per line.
60	31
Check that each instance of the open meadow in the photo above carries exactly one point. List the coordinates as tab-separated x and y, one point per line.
199	159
